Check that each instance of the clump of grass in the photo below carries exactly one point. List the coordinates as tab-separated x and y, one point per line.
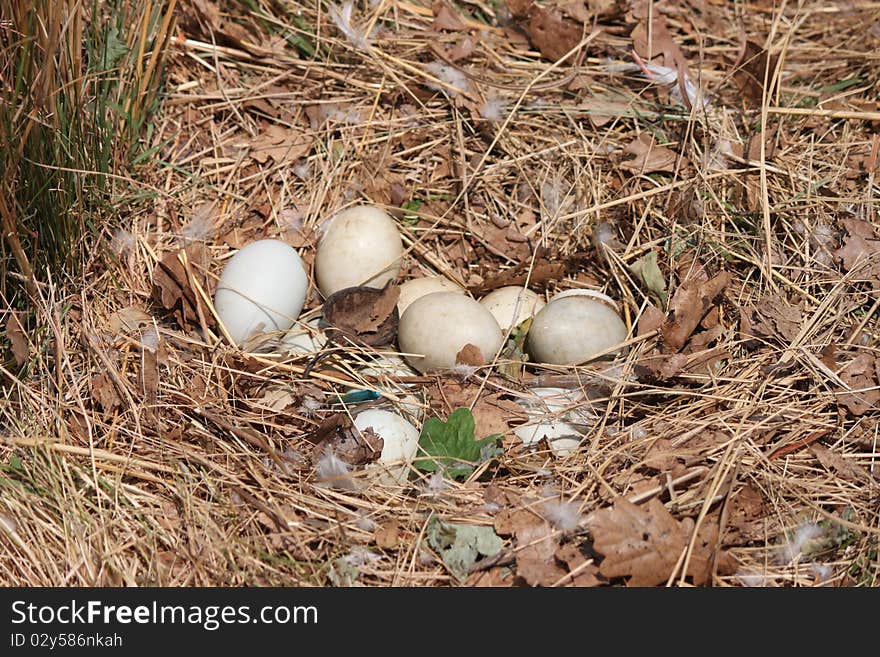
77	86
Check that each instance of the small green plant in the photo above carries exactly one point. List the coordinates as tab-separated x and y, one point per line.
451	445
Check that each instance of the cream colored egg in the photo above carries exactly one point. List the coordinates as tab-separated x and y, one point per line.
360	246
437	326
572	329
418	287
401	441
512	305
261	289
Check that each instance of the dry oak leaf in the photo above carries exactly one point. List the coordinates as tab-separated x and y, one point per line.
753	71
104	392
282	144
860	252
648	156
446	18
536	555
364	314
548	29
388	535
645	543
843	467
691	301
655	44
770	317
581	573
861	376
171	282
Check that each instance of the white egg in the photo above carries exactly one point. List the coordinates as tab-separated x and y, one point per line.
437	326
401	441
562	437
304	338
512	305
360	246
262	289
572	329
418	287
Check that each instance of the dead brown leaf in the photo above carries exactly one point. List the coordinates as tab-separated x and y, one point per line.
861	376
841	466
536	555
860	253
282	144
470	355
446	18
388	535
644	543
17	337
689	304
547	28
171	284
365	315
648	156
753	72
581	572
747	517
772	317
127	320
653	43
651	319
338	434
104	392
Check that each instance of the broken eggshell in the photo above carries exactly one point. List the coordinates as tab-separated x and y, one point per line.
556	414
512	305
437	326
261	289
400	443
418	287
360	246
574	328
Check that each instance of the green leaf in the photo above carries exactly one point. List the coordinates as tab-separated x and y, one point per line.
461	545
648	272
450	445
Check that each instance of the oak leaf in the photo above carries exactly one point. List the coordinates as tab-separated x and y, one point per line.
645	543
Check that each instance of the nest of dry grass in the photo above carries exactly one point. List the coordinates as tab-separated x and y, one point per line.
139	447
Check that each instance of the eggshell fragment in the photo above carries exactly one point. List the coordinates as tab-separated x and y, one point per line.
261	289
418	287
360	246
435	327
304	338
401	441
562	437
512	305
572	329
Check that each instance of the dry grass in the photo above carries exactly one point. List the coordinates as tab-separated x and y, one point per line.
181	469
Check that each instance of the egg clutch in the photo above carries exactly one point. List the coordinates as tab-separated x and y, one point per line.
263	287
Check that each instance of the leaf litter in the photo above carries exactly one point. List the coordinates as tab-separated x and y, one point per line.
584	174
